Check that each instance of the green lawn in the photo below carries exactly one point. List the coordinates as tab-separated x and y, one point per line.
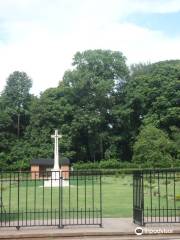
162	192
117	196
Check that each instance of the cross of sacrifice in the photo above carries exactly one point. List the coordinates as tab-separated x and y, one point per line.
56	150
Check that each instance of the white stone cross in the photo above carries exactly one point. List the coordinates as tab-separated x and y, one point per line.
56	150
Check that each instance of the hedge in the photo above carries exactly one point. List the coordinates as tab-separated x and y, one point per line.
114	164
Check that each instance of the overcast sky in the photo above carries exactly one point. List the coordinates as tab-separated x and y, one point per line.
40	37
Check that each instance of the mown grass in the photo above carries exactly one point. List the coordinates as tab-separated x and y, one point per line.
117	195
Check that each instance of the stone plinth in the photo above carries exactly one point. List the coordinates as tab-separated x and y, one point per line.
56	181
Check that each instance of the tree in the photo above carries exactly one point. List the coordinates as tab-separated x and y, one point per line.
93	84
152	147
101	110
175	137
49	112
17	97
14	118
156	87
150	96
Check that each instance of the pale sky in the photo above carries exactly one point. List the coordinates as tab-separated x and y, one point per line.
40	37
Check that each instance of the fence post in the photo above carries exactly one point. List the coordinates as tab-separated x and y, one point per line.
100	198
1	199
142	197
18	226
60	200
138	197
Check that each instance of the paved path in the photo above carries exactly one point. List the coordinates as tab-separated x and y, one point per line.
119	228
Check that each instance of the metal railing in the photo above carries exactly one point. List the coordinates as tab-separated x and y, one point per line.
50	198
156	196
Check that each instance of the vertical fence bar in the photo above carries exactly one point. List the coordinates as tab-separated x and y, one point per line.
133	199
93	196
69	194
18	226
100	176
26	197
174	195
159	199
35	198
77	197
139	198
167	197
9	199
142	197
52	176
85	207
59	202
151	193
137	191
62	207
43	207
1	199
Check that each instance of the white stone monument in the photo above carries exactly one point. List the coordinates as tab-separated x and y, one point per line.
56	150
55	180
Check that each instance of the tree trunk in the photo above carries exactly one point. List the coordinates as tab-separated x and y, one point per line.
101	148
18	125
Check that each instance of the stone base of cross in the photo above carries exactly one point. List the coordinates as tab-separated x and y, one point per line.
56	180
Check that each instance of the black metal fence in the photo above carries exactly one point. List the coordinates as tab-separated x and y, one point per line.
50	199
156	196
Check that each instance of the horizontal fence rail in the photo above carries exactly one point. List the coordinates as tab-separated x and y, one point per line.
50	198
156	196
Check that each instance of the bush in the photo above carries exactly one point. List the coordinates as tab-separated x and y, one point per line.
153	147
85	166
177	197
112	165
109	164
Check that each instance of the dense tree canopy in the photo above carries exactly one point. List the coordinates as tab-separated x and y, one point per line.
104	110
14	117
93	85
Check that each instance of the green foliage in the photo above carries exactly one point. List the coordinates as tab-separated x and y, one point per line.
109	164
91	87
150	96
16	92
177	197
87	165
16	99
175	137
153	147
103	110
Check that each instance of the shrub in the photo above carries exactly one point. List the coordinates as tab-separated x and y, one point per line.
85	166
153	147
177	197
106	165
109	164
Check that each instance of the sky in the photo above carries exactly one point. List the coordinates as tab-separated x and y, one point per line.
40	37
